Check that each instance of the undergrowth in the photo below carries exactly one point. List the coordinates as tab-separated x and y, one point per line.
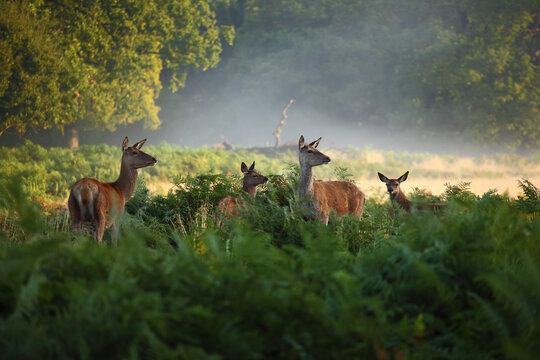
187	283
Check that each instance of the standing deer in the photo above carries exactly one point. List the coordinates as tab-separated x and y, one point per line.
342	196
229	205
392	185
102	203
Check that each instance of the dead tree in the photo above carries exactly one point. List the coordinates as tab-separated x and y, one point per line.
277	133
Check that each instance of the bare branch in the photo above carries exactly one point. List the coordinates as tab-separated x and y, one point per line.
277	133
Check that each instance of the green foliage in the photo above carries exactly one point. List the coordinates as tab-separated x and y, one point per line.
37	82
460	192
529	201
343	174
459	285
98	63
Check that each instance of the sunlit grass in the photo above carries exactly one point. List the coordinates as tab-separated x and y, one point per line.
49	173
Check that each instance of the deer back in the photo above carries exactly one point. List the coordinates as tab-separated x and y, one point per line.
94	197
229	206
342	196
435	207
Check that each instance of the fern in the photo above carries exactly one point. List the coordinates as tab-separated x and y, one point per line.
267	284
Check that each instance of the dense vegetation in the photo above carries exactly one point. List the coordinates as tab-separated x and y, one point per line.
458	66
186	283
99	63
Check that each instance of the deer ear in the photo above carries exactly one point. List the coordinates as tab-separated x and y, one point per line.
244	167
382	177
403	177
252	166
301	141
139	144
125	144
316	143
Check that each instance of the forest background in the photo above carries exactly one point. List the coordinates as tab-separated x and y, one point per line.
401	75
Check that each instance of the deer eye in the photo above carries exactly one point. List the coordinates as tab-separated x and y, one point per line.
310	151
134	153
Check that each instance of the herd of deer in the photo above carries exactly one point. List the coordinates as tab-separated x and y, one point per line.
101	204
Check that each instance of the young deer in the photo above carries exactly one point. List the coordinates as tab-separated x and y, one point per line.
229	205
392	185
342	196
101	203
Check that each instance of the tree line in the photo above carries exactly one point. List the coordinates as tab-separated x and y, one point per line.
466	67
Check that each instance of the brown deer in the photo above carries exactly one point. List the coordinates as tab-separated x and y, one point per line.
101	204
342	196
229	205
396	195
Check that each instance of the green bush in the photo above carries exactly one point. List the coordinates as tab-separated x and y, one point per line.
530	200
462	284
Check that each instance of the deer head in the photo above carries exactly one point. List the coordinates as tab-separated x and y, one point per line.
392	185
309	155
251	177
134	158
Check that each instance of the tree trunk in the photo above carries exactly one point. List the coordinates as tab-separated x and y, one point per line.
73	137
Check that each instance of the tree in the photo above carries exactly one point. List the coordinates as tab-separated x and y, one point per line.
35	74
464	66
97	64
487	79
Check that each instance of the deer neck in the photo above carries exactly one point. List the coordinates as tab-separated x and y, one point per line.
402	200
126	181
305	186
250	189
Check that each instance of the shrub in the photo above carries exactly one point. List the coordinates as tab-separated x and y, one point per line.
463	284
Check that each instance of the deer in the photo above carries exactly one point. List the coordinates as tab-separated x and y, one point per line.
396	195
229	205
324	196
101	204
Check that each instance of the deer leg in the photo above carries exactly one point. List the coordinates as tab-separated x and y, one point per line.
100	222
75	213
361	207
324	218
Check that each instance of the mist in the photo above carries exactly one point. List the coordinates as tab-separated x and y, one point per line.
377	75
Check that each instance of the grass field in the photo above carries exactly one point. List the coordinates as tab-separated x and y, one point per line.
49	173
428	172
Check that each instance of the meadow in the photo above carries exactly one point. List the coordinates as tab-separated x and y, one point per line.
186	283
49	173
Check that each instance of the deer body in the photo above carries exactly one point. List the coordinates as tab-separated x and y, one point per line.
230	204
397	196
100	203
342	196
